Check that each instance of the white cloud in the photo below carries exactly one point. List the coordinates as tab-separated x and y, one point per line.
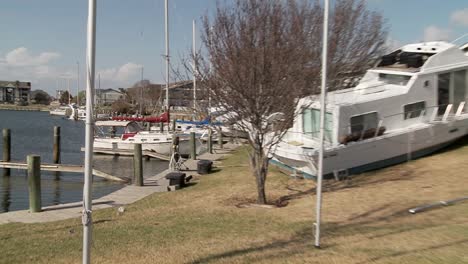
460	17
122	76
432	33
21	57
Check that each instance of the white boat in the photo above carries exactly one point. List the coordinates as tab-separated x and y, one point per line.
410	105
60	111
131	133
79	113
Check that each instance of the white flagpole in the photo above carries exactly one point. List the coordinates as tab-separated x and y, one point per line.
167	53
322	124
89	134
194	66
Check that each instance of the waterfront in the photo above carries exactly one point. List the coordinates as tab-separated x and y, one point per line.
32	133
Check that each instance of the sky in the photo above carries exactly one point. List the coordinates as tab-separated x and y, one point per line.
44	41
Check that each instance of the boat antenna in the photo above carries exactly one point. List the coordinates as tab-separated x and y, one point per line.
89	132
457	39
322	124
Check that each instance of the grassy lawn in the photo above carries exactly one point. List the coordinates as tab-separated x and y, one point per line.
365	221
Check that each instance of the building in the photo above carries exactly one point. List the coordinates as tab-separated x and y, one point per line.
181	94
108	96
15	92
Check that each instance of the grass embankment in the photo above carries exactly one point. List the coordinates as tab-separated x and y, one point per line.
365	221
32	107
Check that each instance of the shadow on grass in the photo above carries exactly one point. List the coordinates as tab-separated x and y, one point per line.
300	242
416	251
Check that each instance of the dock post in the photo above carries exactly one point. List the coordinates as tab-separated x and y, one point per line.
34	183
6	149
220	138
137	165
210	141
148	126
161	127
56	154
193	146
174	124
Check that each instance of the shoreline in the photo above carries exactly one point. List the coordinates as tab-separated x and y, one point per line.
39	108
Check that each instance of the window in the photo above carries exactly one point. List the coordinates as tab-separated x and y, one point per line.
364	122
394	79
459	87
311	124
414	110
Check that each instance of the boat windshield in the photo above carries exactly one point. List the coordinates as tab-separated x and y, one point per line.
311	124
396	79
132	128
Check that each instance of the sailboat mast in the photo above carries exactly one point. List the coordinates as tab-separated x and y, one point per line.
322	123
68	88
194	66
167	53
89	132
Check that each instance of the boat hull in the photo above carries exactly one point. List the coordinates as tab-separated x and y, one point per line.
370	154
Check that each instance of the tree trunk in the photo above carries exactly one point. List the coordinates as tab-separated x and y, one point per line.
259	163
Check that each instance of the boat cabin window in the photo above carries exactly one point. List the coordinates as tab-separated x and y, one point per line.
311	124
364	122
414	110
132	128
394	79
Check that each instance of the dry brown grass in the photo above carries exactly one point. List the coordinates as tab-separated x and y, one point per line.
365	221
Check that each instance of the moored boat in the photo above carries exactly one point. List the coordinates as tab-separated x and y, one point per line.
410	105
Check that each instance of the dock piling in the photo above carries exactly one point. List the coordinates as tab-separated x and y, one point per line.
174	125
34	183
6	149
137	165
220	138
56	154
210	141
193	146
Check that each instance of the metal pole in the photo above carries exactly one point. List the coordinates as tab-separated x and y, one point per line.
78	83
141	92
90	71
194	66
167	53
322	124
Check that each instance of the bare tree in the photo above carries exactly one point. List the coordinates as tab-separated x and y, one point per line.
262	55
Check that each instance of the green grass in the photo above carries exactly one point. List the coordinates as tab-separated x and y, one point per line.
365	220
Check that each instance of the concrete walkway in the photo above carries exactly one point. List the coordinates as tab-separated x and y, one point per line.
127	195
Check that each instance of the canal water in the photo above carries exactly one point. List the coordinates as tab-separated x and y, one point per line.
32	133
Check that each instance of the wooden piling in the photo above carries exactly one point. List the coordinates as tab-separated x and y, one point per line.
34	183
6	149
210	141
137	165
161	127
174	124
220	138
56	154
193	146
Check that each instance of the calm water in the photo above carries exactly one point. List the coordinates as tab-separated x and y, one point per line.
32	133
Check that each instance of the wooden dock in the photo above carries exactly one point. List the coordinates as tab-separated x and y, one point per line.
61	168
120	152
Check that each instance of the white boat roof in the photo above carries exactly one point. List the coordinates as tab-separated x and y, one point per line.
113	123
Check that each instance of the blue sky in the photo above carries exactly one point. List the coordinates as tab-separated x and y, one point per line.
42	40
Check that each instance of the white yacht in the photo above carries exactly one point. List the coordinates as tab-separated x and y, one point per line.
410	105
60	111
122	135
